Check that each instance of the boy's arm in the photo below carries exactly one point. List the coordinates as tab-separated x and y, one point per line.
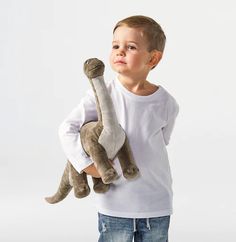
168	129
70	137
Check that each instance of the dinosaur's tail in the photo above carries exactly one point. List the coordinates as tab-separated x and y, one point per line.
64	187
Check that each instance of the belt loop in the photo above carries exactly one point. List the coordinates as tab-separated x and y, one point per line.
134	225
148	224
104	228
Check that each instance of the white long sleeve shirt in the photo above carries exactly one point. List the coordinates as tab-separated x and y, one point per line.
148	122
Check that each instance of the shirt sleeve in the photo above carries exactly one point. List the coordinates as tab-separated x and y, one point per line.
173	110
69	131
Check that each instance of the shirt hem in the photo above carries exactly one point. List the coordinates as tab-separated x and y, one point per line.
160	213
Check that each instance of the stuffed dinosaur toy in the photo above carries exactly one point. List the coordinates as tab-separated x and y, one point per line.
103	140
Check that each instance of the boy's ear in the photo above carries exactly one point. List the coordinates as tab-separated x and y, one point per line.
155	58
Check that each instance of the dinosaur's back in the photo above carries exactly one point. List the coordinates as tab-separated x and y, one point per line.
90	132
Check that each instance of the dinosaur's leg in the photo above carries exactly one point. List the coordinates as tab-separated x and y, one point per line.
127	163
99	186
64	187
79	183
104	167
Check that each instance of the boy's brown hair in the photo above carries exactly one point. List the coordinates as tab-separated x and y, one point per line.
151	29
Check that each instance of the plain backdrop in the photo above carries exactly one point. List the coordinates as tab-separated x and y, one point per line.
43	45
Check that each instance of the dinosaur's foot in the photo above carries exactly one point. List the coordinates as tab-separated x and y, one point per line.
101	187
81	191
109	176
131	171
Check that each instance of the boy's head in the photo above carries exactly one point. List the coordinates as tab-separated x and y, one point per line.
137	47
152	31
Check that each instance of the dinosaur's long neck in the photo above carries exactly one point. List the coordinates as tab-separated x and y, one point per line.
105	107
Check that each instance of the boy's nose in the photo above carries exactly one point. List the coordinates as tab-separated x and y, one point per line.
120	52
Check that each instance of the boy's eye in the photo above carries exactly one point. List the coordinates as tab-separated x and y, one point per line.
131	47
115	47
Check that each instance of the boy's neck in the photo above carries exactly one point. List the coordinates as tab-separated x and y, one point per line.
140	87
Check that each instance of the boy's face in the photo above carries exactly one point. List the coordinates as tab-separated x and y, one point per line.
129	55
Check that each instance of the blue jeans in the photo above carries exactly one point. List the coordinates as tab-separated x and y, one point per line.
116	229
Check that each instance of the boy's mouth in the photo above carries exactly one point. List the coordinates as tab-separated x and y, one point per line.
120	62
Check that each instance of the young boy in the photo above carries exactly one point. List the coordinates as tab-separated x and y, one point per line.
139	208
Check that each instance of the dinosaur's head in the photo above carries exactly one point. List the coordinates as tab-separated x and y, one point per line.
93	68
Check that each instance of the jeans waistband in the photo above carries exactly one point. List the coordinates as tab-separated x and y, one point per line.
147	224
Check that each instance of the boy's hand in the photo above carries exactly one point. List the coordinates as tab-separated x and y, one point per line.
92	171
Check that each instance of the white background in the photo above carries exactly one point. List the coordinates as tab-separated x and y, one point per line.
43	45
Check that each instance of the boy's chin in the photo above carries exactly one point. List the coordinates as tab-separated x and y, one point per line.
120	70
